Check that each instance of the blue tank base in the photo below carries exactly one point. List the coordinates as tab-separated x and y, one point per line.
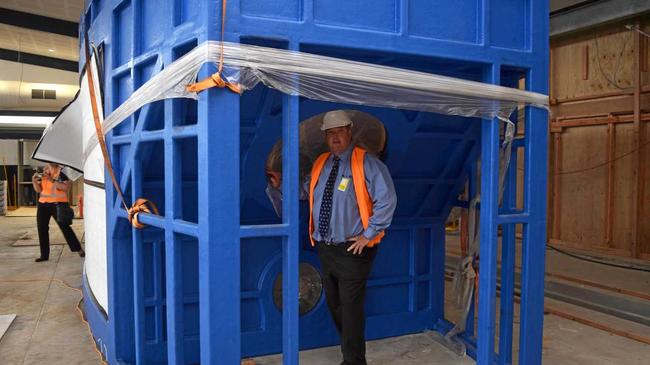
97	321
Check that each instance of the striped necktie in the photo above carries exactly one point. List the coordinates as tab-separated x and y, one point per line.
326	204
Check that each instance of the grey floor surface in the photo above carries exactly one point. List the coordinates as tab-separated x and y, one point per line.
48	330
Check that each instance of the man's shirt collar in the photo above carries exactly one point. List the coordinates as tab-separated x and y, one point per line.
346	154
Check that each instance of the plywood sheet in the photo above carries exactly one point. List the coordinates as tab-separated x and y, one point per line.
610	65
645	218
583	193
610	57
624	185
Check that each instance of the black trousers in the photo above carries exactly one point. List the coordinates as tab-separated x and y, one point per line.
44	212
344	279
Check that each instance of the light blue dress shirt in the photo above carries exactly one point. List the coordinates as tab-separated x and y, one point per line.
345	222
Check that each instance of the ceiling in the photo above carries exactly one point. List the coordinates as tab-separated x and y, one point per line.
39	49
69	10
38	42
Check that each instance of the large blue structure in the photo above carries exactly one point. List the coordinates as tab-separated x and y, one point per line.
196	286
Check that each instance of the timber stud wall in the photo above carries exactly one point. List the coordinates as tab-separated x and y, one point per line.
600	109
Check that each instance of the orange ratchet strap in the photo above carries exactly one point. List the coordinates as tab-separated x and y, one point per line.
215	80
140	205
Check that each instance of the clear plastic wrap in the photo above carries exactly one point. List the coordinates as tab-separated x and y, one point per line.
329	79
464	273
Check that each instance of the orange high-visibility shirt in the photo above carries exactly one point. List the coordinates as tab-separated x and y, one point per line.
50	194
360	189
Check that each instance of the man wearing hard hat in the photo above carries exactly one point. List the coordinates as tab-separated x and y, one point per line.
351	201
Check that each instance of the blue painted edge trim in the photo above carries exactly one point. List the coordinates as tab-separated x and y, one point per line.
96	319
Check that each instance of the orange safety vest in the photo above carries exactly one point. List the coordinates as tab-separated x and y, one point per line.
50	194
360	190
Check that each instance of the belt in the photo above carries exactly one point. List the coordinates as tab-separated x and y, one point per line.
337	244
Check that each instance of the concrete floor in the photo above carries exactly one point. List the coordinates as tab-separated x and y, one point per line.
48	328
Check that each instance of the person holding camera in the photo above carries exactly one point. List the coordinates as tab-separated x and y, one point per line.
53	186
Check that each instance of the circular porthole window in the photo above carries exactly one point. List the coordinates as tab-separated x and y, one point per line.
310	288
368	132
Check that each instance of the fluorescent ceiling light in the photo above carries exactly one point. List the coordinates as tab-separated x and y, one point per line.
24	121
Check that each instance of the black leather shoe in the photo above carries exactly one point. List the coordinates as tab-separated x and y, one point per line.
41	259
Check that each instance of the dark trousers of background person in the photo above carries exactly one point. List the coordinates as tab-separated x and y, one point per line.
44	212
344	279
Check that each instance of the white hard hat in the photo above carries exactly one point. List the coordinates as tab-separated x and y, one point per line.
335	119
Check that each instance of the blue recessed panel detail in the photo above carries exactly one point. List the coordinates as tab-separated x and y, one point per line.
184	10
122	88
381	15
123	33
279	9
509	25
458	20
151	31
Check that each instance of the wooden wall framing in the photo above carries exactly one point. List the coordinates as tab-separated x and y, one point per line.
600	140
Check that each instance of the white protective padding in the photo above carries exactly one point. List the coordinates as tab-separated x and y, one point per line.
62	141
95	237
94	200
53	146
95	224
329	79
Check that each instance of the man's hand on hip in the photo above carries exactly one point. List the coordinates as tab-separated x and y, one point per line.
360	243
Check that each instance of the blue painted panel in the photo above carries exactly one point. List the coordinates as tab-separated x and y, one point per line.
153	297
184	10
458	20
150	324
279	9
152	28
144	71
423	296
97	321
187	151
122	89
123	33
411	197
96	8
399	302
189	272
153	172
422	253
394	258
252	322
382	15
148	270
509	25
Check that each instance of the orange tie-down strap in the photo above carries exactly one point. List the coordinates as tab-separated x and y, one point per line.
140	205
213	81
216	79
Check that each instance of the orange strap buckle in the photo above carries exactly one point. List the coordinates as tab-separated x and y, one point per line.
213	81
141	205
